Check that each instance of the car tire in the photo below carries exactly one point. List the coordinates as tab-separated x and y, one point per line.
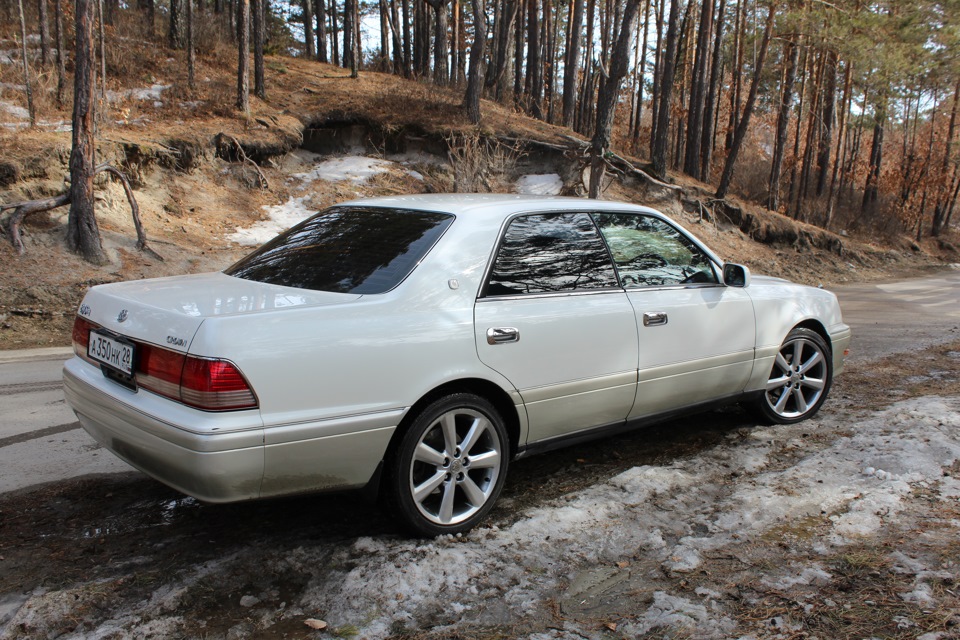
799	380
449	467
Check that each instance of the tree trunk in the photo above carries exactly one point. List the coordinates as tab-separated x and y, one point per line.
641	74
441	71
44	27
658	153
306	7
829	114
334	33
791	59
607	99
407	58
698	90
534	81
571	65
259	82
26	68
471	99
713	92
736	81
518	54
399	67
741	131
940	209
347	39
357	45
320	13
243	60
177	34
871	190
61	58
841	142
83	235
191	54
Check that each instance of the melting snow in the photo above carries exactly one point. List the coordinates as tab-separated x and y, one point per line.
642	523
279	217
543	184
356	169
153	92
353	168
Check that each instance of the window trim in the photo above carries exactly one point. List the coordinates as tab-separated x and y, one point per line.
360	207
491	261
716	263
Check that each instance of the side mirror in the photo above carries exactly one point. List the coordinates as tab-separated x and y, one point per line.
736	275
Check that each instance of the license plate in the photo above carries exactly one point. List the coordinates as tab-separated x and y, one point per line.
114	353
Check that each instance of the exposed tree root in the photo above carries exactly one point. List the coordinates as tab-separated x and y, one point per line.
22	209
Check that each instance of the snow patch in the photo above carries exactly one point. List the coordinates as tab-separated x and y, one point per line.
542	184
356	169
153	93
279	218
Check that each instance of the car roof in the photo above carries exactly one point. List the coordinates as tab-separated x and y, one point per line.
497	206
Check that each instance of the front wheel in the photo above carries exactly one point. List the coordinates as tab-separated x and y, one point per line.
449	467
800	379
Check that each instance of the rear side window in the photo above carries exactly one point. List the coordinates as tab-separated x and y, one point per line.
552	252
346	250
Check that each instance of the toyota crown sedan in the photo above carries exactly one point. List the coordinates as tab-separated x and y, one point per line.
416	345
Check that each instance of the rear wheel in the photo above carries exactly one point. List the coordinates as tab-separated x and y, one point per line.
800	379
449	467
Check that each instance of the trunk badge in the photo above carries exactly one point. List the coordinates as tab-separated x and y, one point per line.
123	316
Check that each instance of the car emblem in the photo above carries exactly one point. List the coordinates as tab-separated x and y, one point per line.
122	316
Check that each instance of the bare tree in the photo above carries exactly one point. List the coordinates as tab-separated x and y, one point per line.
177	35
259	83
740	133
609	92
191	54
661	128
477	62
26	67
44	32
83	234
61	64
243	62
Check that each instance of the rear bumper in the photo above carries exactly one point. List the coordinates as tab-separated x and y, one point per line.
218	458
229	456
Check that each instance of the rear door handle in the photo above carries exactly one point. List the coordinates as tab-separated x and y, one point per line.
654	318
502	335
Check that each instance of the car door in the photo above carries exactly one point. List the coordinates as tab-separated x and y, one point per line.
552	320
696	336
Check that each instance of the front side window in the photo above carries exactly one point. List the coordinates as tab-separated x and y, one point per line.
650	252
346	250
548	253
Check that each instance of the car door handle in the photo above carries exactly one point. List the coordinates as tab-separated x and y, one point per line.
502	335
654	318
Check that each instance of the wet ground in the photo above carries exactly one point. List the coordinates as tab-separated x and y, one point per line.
131	533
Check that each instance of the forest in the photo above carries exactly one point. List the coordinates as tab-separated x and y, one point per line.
841	114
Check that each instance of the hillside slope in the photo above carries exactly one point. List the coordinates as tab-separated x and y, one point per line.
201	171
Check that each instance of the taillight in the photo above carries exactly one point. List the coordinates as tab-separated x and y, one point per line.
81	336
159	370
208	384
215	385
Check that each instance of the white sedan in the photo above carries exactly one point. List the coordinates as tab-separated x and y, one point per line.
415	345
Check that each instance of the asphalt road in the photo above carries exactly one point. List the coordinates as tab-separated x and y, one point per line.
41	440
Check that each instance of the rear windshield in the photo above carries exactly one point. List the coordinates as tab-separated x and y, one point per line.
346	250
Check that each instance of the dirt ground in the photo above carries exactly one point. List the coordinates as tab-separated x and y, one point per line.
123	556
